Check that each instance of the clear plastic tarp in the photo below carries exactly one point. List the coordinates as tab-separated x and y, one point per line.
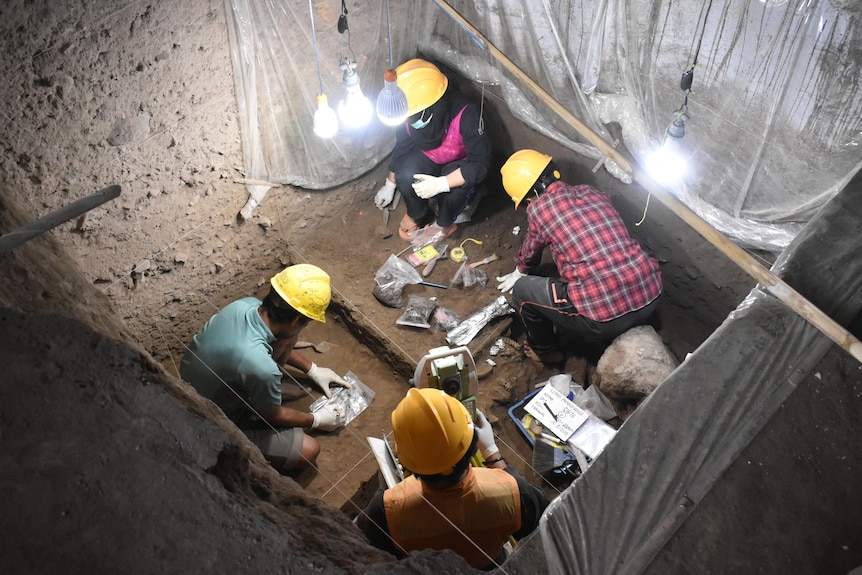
284	55
773	121
669	454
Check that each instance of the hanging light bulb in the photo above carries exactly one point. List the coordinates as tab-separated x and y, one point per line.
325	120
392	101
355	109
669	163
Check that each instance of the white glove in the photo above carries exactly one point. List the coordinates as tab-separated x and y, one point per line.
485	435
323	376
427	186
507	282
385	194
328	418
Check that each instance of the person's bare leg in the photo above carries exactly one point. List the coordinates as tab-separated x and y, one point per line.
309	453
552	357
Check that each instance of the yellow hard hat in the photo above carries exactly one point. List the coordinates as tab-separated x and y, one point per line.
422	82
305	288
521	171
433	431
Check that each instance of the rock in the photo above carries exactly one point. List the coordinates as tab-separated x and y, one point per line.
634	365
126	131
181	258
141	266
382	232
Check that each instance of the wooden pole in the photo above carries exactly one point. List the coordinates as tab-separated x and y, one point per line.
776	286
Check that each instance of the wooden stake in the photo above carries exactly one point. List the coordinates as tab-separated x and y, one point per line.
257	183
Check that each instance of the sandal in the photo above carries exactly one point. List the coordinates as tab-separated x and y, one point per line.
432	234
408	228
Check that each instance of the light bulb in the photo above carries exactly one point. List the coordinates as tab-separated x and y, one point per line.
676	130
392	101
325	120
668	164
355	109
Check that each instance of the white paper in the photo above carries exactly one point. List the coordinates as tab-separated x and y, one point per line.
559	415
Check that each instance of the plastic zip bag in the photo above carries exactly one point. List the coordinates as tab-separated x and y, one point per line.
418	311
351	401
390	279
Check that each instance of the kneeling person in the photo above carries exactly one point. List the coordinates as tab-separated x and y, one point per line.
447	503
234	361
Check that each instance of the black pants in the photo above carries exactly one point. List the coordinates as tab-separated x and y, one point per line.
543	304
449	204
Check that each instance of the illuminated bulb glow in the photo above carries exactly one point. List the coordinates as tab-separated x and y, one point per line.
354	110
668	164
325	120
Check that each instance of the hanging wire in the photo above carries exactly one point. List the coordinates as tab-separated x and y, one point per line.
342	28
314	41
389	35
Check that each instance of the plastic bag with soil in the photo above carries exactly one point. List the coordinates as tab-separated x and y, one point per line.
390	279
418	311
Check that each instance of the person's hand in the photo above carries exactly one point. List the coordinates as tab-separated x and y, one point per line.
328	418
507	282
323	377
385	194
427	186
485	436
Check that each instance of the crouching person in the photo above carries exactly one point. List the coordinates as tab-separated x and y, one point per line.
447	503
234	361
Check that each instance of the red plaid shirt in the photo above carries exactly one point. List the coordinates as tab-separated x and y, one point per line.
608	273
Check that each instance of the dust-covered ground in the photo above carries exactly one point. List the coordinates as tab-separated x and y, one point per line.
142	95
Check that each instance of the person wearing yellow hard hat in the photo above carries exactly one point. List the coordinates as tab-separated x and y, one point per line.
607	283
441	154
236	359
447	503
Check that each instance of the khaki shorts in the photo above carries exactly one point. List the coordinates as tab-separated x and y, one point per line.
281	448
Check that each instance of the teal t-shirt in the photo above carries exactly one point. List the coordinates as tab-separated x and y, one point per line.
235	349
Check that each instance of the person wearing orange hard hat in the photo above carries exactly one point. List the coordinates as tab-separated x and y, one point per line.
447	503
441	154
236	359
607	283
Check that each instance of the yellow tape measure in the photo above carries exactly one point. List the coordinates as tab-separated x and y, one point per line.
458	254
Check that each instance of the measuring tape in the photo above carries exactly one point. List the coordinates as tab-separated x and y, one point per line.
458	254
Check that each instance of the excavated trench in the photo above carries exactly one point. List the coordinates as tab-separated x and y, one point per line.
384	355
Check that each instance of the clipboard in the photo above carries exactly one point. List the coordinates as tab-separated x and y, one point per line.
389	468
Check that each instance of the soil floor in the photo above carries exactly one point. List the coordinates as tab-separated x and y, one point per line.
171	250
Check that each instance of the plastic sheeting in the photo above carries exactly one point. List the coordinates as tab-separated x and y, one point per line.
277	83
774	125
673	449
774	114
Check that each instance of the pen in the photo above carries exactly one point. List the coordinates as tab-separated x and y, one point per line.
548	407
